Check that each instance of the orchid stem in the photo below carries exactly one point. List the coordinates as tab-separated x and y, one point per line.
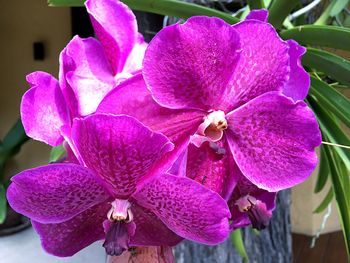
336	145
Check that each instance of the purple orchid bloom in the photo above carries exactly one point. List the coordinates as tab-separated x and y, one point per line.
237	92
89	69
122	195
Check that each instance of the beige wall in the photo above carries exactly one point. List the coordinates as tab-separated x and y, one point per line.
23	22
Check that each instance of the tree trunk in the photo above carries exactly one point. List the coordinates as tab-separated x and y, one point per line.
273	245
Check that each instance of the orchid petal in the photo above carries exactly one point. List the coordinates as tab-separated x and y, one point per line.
43	109
189	65
86	76
135	58
273	141
150	231
216	172
133	98
186	207
55	193
260	14
120	149
115	26
298	84
263	66
69	237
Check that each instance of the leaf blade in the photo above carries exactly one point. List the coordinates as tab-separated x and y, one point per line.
237	241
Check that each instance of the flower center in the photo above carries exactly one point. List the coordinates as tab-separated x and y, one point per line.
118	228
257	211
213	126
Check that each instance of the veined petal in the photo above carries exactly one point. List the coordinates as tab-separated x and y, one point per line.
86	76
135	58
115	26
298	84
258	14
273	141
55	193
150	231
263	64
211	169
120	149
186	207
43	109
189	65
133	98
69	237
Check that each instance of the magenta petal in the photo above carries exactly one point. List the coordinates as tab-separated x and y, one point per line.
259	14
133	98
86	76
218	173
55	193
263	66
43	109
186	207
135	58
298	84
120	149
69	237
150	231
115	26
273	141
189	65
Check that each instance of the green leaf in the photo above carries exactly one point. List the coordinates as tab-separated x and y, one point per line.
3	204
331	99
338	7
331	129
326	201
323	171
279	10
333	65
162	7
256	4
314	35
57	153
340	180
237	241
322	20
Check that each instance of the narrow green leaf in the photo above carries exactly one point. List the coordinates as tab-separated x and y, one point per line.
3	204
279	10
237	241
326	201
331	129
162	7
256	4
340	178
14	139
323	171
331	99
333	65
338	7
57	153
314	35
322	20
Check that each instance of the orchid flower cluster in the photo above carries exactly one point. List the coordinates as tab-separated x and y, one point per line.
188	137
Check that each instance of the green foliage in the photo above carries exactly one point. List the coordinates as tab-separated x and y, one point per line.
3	203
323	172
237	241
57	153
279	10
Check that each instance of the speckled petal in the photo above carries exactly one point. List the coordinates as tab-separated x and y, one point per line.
133	98
273	141
263	65
259	14
218	173
115	26
189	65
85	75
298	84
120	149
150	231
43	109
55	193
186	207
69	237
